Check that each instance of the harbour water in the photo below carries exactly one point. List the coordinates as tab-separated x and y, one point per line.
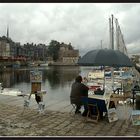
56	80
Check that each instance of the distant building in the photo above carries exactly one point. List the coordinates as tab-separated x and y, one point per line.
4	48
67	54
14	51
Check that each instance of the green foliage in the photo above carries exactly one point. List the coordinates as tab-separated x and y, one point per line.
53	49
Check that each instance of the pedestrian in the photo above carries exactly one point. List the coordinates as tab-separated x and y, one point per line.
78	89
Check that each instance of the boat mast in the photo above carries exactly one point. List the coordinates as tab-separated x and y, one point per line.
110	33
117	35
101	44
7	34
112	47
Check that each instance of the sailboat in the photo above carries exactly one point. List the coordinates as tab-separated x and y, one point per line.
115	80
120	74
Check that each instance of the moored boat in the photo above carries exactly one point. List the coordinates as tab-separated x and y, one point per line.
11	91
44	64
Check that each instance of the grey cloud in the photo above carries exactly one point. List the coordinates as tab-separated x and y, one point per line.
84	25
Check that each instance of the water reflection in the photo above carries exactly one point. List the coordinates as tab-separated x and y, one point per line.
9	77
59	76
56	81
55	76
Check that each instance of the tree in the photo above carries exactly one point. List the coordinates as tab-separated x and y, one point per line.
53	49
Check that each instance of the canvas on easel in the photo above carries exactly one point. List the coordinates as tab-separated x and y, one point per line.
36	79
112	115
36	76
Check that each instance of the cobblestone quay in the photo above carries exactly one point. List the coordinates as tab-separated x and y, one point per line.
13	122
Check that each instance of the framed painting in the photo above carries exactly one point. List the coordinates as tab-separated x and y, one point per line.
112	115
135	116
36	76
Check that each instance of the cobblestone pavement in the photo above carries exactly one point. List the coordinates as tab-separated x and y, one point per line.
13	122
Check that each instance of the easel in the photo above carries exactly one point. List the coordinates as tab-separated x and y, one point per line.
36	90
36	79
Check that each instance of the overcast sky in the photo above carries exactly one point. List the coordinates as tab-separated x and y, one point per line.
83	25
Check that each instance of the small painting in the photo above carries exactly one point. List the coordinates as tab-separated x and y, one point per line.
135	117
36	76
112	115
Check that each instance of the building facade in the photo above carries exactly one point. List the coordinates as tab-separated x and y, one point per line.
67	54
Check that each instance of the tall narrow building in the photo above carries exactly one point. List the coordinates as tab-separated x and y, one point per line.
7	31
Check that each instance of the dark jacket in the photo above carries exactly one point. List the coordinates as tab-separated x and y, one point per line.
78	90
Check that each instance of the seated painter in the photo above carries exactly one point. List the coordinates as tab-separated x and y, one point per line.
78	89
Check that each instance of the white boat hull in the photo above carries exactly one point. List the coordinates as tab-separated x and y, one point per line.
12	92
44	65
